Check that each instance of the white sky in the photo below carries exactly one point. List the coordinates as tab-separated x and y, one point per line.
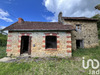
71	8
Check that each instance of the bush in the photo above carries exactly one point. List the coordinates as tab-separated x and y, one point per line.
99	34
3	40
97	16
2	52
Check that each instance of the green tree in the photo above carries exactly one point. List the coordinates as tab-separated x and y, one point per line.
97	16
97	7
3	39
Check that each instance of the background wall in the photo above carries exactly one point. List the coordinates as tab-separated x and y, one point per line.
88	33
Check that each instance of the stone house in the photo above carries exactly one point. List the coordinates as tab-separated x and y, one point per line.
42	39
85	34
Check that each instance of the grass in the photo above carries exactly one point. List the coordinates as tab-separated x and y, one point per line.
50	67
88	53
62	67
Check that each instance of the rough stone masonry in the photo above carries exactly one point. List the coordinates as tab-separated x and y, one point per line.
44	39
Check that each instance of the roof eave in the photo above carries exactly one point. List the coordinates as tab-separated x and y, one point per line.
39	30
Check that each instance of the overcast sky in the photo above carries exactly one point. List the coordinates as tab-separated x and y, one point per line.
44	10
71	8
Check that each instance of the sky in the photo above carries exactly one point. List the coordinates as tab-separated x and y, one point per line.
44	10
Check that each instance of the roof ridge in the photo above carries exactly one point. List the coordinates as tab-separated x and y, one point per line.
80	18
76	17
40	22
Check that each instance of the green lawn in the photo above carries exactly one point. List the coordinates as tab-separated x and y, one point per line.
71	66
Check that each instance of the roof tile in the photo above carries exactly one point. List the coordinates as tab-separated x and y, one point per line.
39	26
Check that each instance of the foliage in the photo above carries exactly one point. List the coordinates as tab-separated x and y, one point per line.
99	33
3	40
97	7
2	52
97	16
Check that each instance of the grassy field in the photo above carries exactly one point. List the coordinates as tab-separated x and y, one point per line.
71	66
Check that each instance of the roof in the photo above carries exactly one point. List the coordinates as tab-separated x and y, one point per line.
80	18
31	26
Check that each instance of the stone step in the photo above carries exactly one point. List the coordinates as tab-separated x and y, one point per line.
25	55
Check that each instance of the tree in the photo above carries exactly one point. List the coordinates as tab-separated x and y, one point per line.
97	16
97	7
3	39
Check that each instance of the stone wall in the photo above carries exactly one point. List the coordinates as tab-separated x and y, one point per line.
38	40
88	34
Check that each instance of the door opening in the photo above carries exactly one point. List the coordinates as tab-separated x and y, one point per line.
79	44
24	44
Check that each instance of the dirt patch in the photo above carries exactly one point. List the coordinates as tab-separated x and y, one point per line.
75	58
6	59
36	59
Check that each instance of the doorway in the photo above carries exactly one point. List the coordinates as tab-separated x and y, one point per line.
25	45
79	44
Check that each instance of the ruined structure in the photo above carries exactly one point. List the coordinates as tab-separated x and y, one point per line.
42	39
85	34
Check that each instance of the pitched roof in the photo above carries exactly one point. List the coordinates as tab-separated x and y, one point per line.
80	18
38	26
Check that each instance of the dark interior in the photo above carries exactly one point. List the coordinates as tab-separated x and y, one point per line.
79	44
24	44
51	42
